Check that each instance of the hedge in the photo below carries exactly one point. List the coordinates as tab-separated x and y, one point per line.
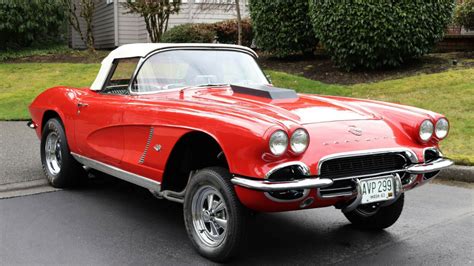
377	33
221	32
23	22
189	33
282	27
227	32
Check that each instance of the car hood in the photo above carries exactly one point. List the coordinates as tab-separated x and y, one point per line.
305	109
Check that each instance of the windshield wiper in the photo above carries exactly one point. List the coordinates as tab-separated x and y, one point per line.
213	85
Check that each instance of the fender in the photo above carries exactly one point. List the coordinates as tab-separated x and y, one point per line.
61	100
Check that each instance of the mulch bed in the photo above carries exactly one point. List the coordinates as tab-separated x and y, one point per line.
72	57
321	68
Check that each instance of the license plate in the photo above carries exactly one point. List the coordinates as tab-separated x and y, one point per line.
377	189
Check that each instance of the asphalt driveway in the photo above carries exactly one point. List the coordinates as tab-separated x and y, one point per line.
19	153
115	223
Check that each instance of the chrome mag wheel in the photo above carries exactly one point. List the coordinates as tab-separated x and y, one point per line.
209	216
53	153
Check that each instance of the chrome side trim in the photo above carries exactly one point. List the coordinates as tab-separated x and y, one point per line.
147	146
411	155
303	167
433	166
119	173
263	185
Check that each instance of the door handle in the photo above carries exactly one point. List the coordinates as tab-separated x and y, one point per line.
80	104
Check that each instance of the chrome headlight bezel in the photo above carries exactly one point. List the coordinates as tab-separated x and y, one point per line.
426	130
278	142
442	128
299	141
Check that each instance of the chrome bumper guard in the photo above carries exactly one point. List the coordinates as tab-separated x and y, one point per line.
268	186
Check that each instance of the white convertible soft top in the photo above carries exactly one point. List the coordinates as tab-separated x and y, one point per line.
143	49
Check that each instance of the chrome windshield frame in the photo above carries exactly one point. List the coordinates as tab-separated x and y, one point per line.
142	61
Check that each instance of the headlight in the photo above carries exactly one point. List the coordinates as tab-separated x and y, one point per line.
278	142
426	130
442	128
299	141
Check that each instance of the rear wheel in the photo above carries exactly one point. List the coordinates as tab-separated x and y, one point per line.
60	168
375	216
214	217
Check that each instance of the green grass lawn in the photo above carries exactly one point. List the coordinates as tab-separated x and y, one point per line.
450	93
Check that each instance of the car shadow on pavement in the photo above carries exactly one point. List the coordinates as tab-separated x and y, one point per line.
308	236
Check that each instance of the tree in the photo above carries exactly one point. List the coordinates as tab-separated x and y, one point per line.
86	11
464	14
225	5
156	14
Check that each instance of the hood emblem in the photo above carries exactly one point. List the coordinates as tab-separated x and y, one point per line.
355	130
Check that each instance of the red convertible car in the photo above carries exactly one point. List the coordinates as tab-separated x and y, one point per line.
201	124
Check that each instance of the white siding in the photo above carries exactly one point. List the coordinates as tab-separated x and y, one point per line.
207	13
103	27
131	27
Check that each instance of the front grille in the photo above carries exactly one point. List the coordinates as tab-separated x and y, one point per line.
362	165
339	188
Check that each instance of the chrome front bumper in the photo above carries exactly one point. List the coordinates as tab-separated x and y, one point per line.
269	186
311	182
430	167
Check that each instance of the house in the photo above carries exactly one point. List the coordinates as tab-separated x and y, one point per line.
113	27
457	38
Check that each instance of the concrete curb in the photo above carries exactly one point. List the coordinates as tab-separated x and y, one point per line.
458	173
25	188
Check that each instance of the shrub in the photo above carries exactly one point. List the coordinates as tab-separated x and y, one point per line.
189	33
376	33
464	15
282	27
227	31
23	22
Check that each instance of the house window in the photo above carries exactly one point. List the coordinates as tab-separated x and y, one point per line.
109	1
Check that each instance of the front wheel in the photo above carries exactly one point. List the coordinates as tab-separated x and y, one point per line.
214	217
60	168
376	216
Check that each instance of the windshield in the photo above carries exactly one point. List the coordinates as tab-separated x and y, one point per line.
184	68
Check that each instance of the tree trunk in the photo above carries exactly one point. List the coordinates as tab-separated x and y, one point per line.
239	22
